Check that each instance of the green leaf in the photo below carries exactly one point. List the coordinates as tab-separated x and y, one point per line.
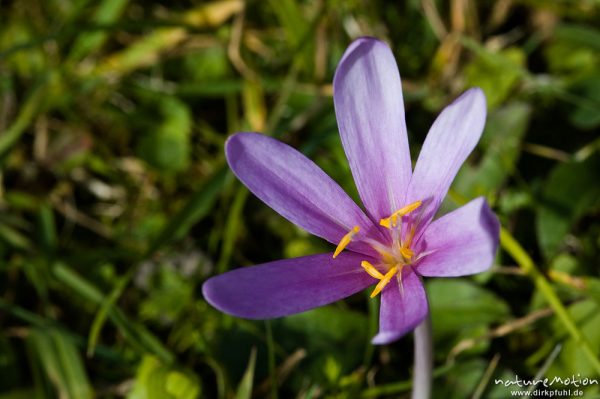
326	325
331	335
572	358
167	146
25	61
154	380
19	394
9	357
13	237
496	73
169	295
296	29
583	35
573	50
463	379
22	200
60	363
457	304
244	390
233	228
136	334
587	109
47	228
209	66
107	12
593	288
27	113
197	207
569	193
292	20
504	131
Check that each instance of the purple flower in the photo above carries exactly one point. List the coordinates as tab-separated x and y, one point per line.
395	242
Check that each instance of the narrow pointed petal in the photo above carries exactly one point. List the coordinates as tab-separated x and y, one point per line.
287	286
297	188
370	113
462	242
403	307
449	142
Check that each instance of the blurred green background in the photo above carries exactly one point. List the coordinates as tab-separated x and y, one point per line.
116	202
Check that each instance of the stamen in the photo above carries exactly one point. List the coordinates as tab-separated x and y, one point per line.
369	268
389	222
383	250
384	281
392	220
406	252
345	241
409	208
400	283
424	254
409	238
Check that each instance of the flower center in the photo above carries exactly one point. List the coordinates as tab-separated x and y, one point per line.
394	257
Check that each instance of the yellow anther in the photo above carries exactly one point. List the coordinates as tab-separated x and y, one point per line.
345	241
409	208
392	220
389	222
406	252
384	281
369	268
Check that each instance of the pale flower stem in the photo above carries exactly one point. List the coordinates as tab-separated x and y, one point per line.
422	373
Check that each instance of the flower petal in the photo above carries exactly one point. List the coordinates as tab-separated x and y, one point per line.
287	286
449	142
462	242
297	188
403	307
367	94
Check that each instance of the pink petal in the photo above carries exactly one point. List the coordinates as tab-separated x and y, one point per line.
451	139
287	286
403	307
297	188
462	242
370	113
